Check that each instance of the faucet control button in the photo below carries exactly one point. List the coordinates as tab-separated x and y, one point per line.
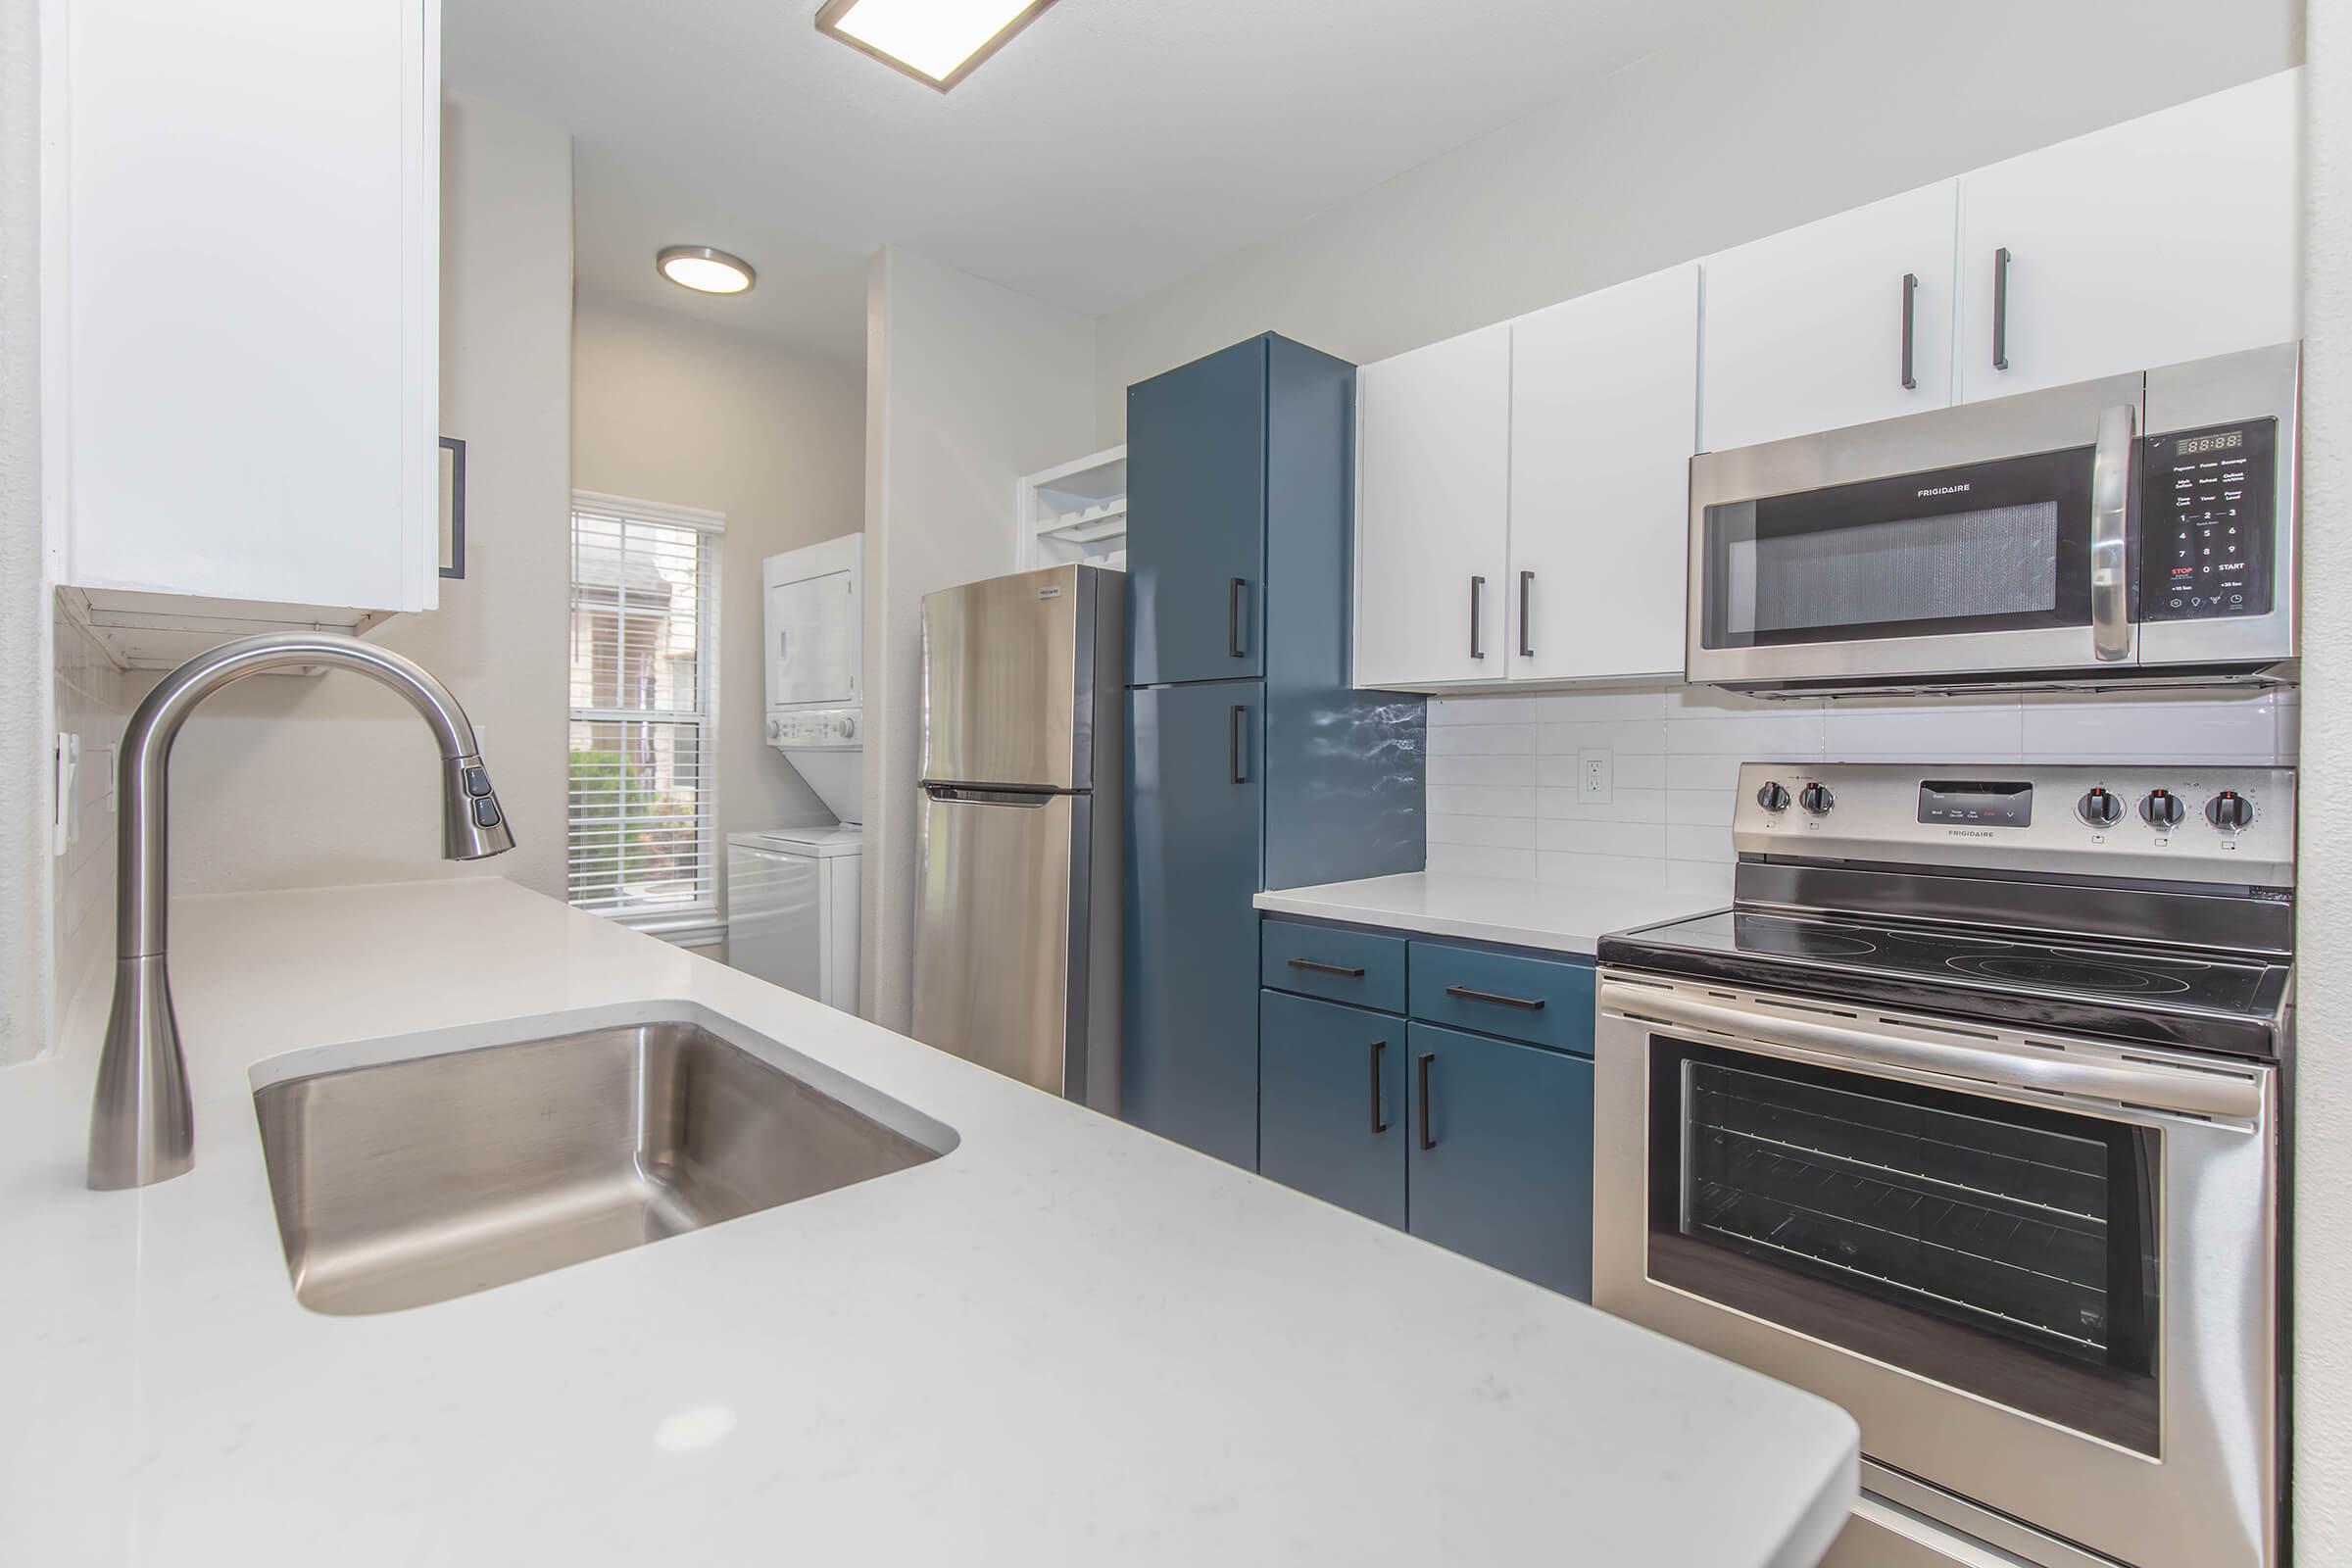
477	783
486	813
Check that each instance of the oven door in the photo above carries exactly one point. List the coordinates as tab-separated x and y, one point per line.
1982	541
2038	1271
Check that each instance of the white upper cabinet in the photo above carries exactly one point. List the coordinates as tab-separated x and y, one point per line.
244	295
1605	409
1840	323
2170	237
1432	512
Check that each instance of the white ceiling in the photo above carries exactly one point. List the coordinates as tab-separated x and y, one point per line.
1114	147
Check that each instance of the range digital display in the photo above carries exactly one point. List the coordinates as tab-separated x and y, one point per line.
1976	804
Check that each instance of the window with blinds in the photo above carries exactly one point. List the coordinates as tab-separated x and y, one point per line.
643	814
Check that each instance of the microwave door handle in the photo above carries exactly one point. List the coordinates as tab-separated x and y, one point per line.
2110	521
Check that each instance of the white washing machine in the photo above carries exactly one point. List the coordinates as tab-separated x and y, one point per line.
792	909
792	892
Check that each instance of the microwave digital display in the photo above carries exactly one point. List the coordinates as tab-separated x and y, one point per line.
2189	446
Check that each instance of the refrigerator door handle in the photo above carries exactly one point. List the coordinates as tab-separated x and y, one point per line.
974	795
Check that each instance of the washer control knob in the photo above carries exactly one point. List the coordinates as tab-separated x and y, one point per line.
848	728
2230	811
2161	808
775	729
2101	808
1773	797
1817	798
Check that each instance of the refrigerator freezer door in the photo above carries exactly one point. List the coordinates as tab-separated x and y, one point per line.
1001	925
1008	668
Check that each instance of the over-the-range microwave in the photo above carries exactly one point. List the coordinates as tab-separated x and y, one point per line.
2137	529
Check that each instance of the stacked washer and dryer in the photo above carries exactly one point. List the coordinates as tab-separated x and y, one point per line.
792	892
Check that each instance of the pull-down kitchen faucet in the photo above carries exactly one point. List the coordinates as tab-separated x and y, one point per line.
142	1127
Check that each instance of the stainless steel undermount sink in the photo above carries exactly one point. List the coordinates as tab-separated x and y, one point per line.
420	1180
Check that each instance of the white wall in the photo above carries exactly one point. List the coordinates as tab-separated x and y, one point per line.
2322	1261
1503	802
664	409
288	781
25	611
1788	112
968	386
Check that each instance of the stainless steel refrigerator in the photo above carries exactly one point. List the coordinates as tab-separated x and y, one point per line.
1016	954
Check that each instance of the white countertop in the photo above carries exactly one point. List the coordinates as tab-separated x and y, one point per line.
1561	917
1065	1343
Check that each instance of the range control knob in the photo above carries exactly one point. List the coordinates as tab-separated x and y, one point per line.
2161	808
2230	811
2101	808
1817	798
1773	797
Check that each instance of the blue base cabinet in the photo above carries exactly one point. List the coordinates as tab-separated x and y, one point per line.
1331	1104
1502	1156
1463	1115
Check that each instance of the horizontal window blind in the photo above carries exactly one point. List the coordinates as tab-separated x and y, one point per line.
642	811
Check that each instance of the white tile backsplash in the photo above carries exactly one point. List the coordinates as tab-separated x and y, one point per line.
94	703
1503	797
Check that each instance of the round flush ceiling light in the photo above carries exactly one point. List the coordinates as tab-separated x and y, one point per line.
706	271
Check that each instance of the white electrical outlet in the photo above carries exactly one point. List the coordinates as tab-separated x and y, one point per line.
68	822
1592	778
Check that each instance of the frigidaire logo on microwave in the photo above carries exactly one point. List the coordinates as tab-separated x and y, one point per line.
1943	490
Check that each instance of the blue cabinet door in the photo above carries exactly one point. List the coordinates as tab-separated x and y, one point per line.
1331	1102
1194	815
1197	520
1501	1140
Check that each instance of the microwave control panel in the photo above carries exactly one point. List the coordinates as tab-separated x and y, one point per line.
2205	515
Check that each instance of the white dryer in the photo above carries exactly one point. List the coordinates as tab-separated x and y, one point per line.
815	630
792	909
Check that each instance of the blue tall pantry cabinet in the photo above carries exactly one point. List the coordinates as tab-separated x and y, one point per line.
1251	764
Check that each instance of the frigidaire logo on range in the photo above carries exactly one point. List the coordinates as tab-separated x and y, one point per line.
1945	490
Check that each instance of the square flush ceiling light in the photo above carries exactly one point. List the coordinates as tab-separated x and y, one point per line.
938	42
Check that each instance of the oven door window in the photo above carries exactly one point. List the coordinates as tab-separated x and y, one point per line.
2005	1250
1991	547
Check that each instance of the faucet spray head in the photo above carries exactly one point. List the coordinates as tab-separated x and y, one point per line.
474	825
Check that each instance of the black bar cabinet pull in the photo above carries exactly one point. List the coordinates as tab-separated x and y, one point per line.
1531	1004
1526	644
1327	968
2000	308
1477	593
1232	741
1380	1123
1233	618
1421	1071
1910	303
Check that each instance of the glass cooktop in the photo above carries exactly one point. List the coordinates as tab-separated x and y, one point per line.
2219	1002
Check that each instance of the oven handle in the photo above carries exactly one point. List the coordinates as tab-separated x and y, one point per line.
2110	521
2153	1086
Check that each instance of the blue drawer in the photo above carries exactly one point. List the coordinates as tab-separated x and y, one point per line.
1356	967
1545	1001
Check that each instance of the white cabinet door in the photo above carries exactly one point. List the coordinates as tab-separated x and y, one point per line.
1605	413
1432	513
1805	330
249	311
2166	238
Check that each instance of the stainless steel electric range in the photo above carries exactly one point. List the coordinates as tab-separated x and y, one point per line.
1968	1115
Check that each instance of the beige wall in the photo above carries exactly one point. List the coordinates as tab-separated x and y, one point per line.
291	781
667	410
968	387
1789	112
2323	1355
